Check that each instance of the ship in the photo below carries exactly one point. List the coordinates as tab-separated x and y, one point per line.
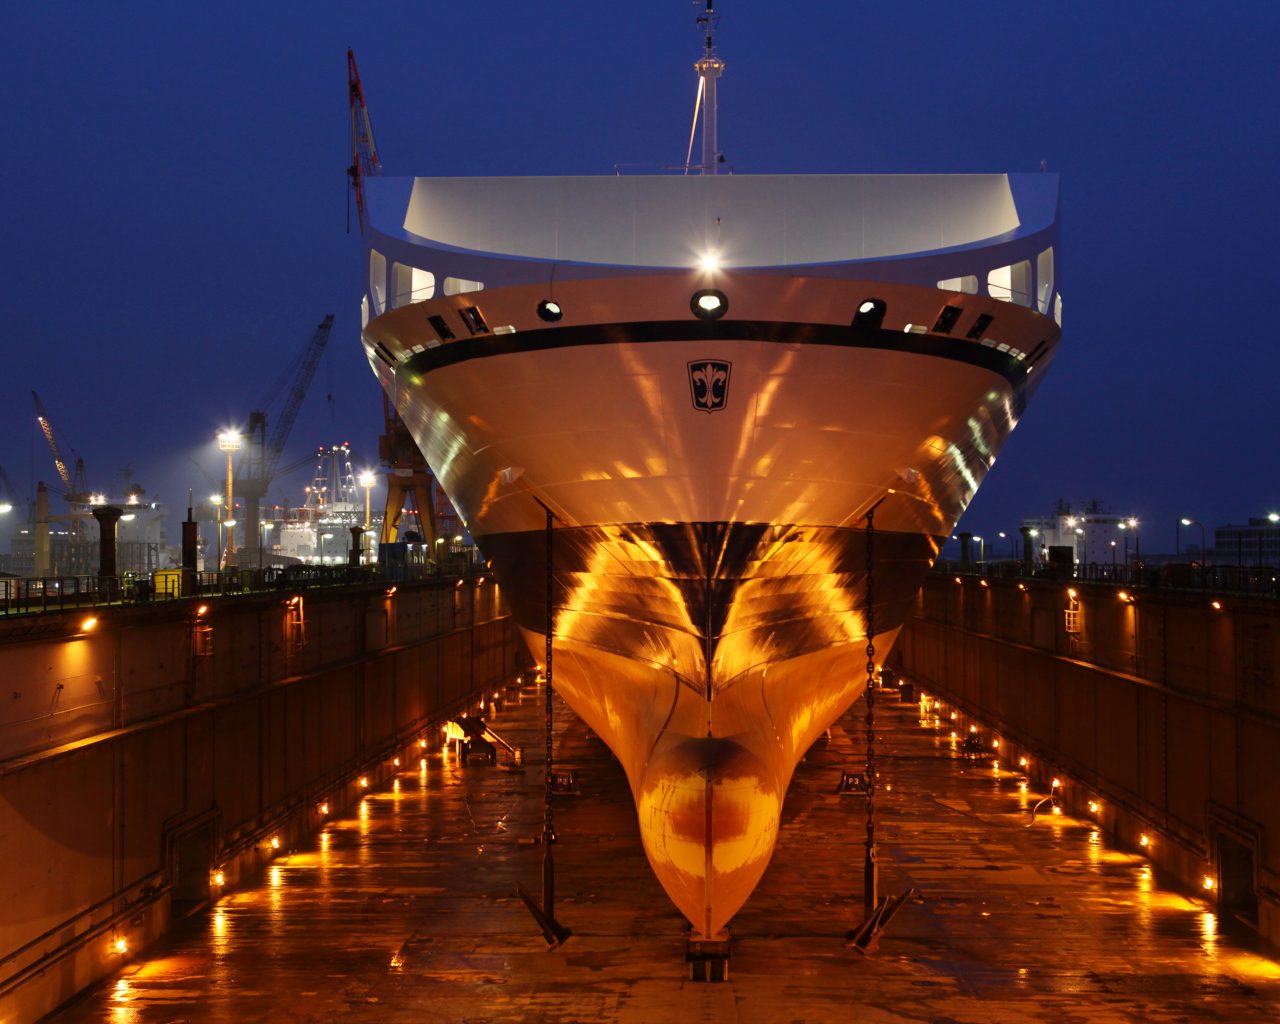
731	396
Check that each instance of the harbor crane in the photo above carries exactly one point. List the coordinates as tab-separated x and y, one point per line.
260	462
364	151
75	489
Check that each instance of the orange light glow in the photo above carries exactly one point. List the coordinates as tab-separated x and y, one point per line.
1209	883
391	591
202	609
120	946
324	808
1022	586
396	762
1093	806
983	583
219	878
1144	839
1071	592
88	624
1056	783
1217	605
1022	761
995	744
957	579
275	842
364	782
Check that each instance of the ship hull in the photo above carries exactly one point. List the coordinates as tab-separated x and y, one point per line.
709	485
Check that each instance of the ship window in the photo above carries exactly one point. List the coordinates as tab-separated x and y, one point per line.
967	284
1044	279
401	285
458	286
441	328
378	281
423	284
980	326
364	312
474	321
947	319
1011	284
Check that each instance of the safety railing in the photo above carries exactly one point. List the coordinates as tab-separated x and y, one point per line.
1255	581
24	595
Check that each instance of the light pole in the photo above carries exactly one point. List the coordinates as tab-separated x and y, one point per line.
230	443
1203	550
262	529
324	537
982	549
367	481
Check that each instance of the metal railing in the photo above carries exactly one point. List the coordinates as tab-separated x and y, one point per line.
25	595
1255	581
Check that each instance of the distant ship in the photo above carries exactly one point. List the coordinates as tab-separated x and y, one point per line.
710	379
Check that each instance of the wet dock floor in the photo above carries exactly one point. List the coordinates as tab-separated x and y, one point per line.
405	909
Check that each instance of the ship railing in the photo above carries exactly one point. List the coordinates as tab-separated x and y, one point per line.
1253	581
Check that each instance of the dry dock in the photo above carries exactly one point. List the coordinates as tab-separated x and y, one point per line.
404	908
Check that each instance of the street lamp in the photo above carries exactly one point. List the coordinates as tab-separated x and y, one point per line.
6	507
1203	549
982	549
367	481
262	528
230	443
324	537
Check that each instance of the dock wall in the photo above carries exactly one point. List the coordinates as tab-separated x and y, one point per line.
1160	707
146	754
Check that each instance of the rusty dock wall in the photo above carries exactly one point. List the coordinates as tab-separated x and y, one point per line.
159	749
1159	708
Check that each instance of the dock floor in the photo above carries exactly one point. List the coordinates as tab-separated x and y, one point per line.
405	909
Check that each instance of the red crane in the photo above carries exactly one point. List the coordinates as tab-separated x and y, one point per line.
364	151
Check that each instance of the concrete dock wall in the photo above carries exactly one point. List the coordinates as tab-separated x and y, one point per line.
1159	707
163	747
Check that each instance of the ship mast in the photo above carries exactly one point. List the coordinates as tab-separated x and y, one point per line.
709	69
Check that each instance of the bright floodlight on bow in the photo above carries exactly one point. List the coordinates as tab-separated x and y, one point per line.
368	480
549	310
709	304
710	262
229	442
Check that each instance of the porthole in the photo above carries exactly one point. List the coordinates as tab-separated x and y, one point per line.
550	311
709	304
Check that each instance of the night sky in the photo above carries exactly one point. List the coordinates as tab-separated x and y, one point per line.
175	218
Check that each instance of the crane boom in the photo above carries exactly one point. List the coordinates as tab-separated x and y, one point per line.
43	418
364	151
275	447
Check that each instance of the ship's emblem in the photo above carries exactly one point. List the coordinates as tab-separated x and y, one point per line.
709	381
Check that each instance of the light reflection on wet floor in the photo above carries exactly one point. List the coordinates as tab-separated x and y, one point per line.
405	907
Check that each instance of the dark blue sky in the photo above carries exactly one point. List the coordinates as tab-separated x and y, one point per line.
174	225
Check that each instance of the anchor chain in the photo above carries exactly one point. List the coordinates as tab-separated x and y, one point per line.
870	868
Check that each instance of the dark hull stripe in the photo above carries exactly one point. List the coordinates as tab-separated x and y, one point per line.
779	332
